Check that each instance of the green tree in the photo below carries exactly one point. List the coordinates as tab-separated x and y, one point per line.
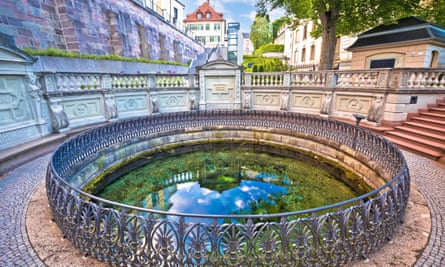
276	25
261	31
433	11
341	17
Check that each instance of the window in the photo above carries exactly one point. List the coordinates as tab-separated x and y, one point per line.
207	27
208	15
201	39
382	63
305	32
303	55
199	15
214	39
216	26
200	27
434	59
175	15
312	56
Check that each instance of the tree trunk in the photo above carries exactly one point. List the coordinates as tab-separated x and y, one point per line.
329	38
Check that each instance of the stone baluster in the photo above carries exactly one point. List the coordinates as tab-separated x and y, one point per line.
342	80
99	81
359	79
247	79
59	83
372	81
106	82
429	76
306	79
81	82
442	79
144	81
412	79
92	82
85	82
421	80
347	77
286	79
72	83
78	82
115	82
89	82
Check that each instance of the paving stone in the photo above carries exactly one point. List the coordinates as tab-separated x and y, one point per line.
18	186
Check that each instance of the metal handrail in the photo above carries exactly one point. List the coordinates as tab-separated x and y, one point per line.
133	235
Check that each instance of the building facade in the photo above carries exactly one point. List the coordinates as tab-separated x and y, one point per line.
107	27
247	44
171	10
206	25
303	52
410	43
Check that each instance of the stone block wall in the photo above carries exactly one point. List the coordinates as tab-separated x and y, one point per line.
120	27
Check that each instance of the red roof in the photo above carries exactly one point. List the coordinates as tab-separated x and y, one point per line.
207	14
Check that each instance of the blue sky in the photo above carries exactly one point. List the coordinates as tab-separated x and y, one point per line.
242	11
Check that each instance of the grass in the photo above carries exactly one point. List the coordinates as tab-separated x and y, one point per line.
54	52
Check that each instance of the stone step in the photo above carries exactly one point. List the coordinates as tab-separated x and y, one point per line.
430	121
415	147
425	127
419	140
433	115
436	136
438	109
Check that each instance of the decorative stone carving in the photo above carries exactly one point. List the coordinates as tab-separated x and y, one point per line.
110	107
59	120
284	100
154	104
247	100
192	100
326	104
33	87
375	113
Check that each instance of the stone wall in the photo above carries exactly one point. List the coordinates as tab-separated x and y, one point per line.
118	27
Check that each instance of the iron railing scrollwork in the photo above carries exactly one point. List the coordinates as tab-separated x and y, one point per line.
326	236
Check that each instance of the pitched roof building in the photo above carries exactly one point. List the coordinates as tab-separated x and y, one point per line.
411	42
207	25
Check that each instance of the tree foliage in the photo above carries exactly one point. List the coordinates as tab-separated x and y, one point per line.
263	64
342	17
261	31
433	11
276	25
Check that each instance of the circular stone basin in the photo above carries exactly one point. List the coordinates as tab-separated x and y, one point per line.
331	235
229	178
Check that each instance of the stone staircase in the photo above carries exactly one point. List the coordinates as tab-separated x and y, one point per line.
423	133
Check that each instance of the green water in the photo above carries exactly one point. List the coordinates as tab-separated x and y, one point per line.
205	178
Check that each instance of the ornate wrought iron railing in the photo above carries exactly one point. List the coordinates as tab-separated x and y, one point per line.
326	236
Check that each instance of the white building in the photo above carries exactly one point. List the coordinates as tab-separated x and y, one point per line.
207	25
171	10
247	44
303	52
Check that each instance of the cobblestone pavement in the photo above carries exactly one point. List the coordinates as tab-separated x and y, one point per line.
18	186
430	181
16	189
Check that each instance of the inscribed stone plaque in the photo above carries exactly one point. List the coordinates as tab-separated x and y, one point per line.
220	88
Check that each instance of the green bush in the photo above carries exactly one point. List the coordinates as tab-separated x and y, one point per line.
269	48
54	52
263	64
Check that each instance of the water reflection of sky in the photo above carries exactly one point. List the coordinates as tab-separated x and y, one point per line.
190	197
